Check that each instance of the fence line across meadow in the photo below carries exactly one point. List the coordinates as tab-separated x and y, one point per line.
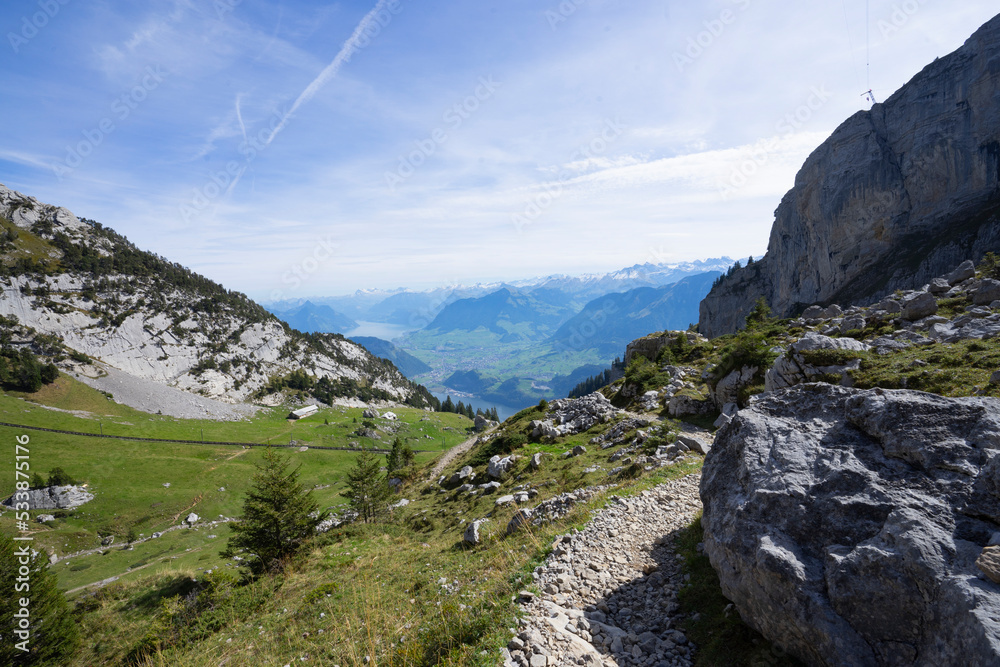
210	442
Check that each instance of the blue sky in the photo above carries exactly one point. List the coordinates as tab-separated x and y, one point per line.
306	148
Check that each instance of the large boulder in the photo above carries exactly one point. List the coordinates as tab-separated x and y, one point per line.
471	535
53	498
987	293
918	306
845	525
498	467
793	366
463	476
727	390
685	405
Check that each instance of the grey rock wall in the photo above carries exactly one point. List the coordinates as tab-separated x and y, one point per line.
896	196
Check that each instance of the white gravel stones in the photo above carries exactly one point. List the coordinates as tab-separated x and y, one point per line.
610	592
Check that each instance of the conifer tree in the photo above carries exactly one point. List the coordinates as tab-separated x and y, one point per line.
367	488
52	635
279	516
401	456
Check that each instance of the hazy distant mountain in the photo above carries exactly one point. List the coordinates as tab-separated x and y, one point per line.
510	314
407	364
638	275
612	320
417	308
310	317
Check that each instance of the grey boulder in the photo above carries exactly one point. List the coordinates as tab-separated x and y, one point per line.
53	498
918	306
963	272
471	535
845	525
988	292
498	466
466	474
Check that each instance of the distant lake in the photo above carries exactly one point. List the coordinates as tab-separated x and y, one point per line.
378	330
503	411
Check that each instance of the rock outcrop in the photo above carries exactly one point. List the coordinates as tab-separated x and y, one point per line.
568	416
53	498
796	366
846	525
896	196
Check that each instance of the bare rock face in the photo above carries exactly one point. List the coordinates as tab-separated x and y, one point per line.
846	525
54	498
897	196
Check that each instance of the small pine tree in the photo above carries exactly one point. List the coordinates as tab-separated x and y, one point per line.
494	415
543	405
448	406
59	477
279	516
469	413
759	315
367	488
37	481
53	634
401	456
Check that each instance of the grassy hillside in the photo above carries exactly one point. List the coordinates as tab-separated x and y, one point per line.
403	593
128	477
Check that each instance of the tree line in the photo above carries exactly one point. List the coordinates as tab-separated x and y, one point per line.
463	409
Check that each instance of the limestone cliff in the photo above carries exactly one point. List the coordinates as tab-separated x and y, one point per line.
896	195
96	295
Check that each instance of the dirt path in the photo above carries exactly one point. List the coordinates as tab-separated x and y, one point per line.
455	451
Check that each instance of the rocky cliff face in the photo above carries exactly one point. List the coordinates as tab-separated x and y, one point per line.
129	310
895	196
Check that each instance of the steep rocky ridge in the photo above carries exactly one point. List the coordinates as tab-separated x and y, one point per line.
138	313
895	196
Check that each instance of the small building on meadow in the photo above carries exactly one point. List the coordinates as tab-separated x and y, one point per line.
303	412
